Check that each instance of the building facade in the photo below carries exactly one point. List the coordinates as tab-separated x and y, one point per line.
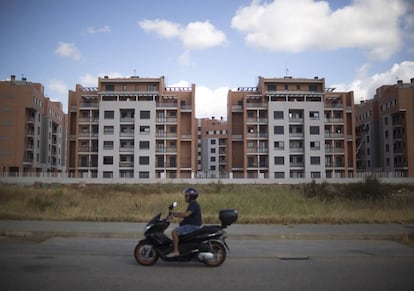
290	128
132	128
339	134
212	149
385	127
32	130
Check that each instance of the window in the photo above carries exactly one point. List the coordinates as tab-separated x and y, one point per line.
143	144
173	162
212	141
108	145
277	114
271	87
108	160
251	162
144	160
279	145
315	175
108	174
313	87
314	129
278	129
144	114
109	114
152	88
315	160
279	160
315	145
144	129
143	175
108	129
109	87
279	175
314	114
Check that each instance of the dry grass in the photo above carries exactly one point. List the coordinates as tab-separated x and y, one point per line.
284	204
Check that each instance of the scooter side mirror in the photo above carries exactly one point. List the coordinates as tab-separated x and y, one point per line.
173	205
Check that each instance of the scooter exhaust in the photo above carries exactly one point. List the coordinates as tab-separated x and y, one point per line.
205	256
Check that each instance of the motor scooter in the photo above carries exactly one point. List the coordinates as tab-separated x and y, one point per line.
206	245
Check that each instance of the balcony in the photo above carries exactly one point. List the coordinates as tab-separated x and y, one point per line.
160	150
256	135
126	164
262	120
253	105
165	120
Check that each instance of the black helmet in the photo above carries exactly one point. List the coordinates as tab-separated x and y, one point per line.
193	193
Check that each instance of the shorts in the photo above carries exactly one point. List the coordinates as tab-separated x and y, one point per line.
186	229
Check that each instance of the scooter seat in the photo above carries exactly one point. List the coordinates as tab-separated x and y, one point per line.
207	229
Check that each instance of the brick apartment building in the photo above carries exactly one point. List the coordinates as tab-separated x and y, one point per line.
212	148
385	131
138	128
32	130
290	128
132	128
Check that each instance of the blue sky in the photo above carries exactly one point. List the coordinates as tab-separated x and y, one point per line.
217	45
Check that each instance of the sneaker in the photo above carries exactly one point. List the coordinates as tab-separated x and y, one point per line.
173	255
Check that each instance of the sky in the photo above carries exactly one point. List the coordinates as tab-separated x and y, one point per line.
217	45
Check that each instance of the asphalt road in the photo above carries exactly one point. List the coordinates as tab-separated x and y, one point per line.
79	263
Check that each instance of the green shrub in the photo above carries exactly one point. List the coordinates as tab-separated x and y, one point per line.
320	191
370	189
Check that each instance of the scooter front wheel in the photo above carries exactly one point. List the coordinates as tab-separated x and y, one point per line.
219	253
145	254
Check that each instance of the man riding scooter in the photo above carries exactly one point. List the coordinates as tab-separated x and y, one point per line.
191	220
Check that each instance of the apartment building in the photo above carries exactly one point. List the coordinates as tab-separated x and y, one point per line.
339	134
290	128
132	128
32	130
385	127
212	149
367	137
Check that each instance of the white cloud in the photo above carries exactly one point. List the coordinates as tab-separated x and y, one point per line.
201	35
90	80
185	59
92	30
208	102
57	91
194	36
57	86
68	50
164	28
211	102
295	26
364	87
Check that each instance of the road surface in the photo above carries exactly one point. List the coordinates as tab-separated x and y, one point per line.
79	263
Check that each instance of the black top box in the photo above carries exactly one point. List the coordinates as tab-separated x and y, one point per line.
228	216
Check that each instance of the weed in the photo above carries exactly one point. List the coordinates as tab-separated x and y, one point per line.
366	202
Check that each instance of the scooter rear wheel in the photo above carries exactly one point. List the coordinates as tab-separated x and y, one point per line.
219	252
145	254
